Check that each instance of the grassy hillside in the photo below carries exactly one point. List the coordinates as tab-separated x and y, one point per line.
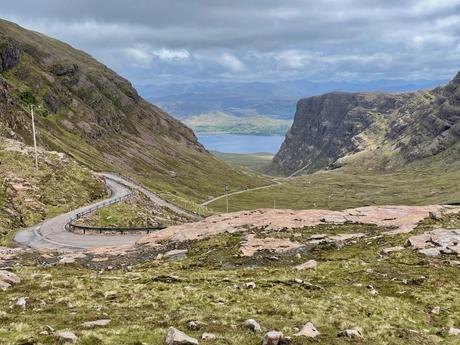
219	122
428	181
89	112
28	197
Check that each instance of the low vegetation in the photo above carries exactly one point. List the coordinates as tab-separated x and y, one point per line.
389	298
27	197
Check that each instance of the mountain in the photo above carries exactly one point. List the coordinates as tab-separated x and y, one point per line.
246	99
94	115
388	130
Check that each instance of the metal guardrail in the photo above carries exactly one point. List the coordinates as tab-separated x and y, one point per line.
70	226
196	214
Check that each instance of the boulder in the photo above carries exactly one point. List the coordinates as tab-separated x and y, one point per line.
308	330
253	325
176	337
66	336
436	215
176	254
310	264
7	279
273	338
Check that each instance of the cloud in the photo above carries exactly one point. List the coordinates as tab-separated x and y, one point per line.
173	40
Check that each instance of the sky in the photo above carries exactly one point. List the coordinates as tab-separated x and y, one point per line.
153	41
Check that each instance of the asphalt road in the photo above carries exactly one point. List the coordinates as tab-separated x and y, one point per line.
51	233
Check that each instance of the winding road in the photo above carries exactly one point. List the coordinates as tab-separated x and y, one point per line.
51	233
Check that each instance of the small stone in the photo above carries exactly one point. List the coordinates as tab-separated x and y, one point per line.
176	254
298	281
110	295
436	310
272	338
392	250
308	330
253	325
436	215
208	336
454	331
66	336
350	333
22	302
102	322
298	256
176	337
250	285
193	326
372	290
310	264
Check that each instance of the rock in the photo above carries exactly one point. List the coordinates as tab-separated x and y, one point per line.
176	254
310	264
272	338
436	310
102	322
436	215
176	337
9	277
66	336
392	250
110	295
308	330
9	56
208	336
253	325
22	302
193	326
350	333
372	290
454	331
250	285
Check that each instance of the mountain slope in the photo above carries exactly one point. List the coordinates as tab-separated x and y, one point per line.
390	130
86	110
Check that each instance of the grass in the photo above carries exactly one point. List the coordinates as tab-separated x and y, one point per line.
28	197
254	161
416	184
209	286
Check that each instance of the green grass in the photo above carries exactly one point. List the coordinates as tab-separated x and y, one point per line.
210	288
57	188
219	122
420	183
254	161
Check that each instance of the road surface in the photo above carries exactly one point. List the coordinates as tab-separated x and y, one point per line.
152	196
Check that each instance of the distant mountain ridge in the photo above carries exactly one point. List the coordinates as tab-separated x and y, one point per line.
273	99
390	130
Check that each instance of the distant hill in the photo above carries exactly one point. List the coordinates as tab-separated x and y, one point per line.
272	99
372	130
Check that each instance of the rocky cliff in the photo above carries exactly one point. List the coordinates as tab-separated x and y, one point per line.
337	129
88	111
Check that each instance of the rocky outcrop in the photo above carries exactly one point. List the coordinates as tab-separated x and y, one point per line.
331	128
9	54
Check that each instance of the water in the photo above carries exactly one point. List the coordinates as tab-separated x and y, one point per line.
238	143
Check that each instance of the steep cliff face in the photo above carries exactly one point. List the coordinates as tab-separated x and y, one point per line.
88	111
335	129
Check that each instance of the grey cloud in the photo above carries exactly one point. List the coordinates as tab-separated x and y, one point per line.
172	40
